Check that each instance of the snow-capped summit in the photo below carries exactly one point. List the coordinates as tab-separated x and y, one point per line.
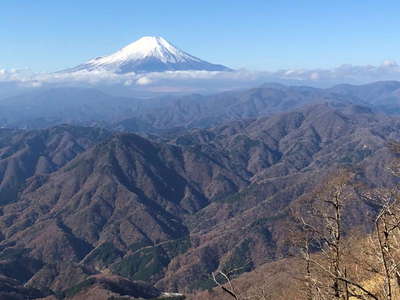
148	54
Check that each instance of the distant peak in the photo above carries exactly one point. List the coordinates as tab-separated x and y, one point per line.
149	54
150	40
145	45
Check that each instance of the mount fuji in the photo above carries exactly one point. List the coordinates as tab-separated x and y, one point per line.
148	54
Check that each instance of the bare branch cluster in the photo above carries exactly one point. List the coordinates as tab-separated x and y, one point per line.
332	269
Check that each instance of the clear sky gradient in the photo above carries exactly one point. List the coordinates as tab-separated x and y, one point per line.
48	35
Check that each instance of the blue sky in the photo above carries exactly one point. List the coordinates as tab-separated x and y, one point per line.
46	35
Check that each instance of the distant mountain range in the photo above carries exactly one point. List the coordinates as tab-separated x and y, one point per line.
89	107
148	54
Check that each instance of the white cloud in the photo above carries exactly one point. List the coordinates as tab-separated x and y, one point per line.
389	63
314	76
204	81
144	81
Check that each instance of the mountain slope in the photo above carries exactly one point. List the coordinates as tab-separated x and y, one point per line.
170	213
148	54
24	154
117	197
